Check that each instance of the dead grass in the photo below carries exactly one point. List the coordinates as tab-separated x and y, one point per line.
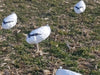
74	42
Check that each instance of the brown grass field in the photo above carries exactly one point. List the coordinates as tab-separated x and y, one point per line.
74	42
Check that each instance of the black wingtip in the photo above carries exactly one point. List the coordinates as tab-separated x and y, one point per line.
29	35
76	7
35	34
4	22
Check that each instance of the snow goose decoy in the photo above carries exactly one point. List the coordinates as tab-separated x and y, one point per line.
38	35
80	7
10	21
66	72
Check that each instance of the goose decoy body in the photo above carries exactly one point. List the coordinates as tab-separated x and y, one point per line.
38	35
9	21
80	7
66	72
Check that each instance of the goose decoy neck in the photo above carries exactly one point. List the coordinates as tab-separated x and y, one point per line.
60	67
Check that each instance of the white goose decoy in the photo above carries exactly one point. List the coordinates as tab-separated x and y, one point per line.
38	35
66	72
10	21
80	7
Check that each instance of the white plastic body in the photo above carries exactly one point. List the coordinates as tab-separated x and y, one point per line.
11	19
44	32
80	4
